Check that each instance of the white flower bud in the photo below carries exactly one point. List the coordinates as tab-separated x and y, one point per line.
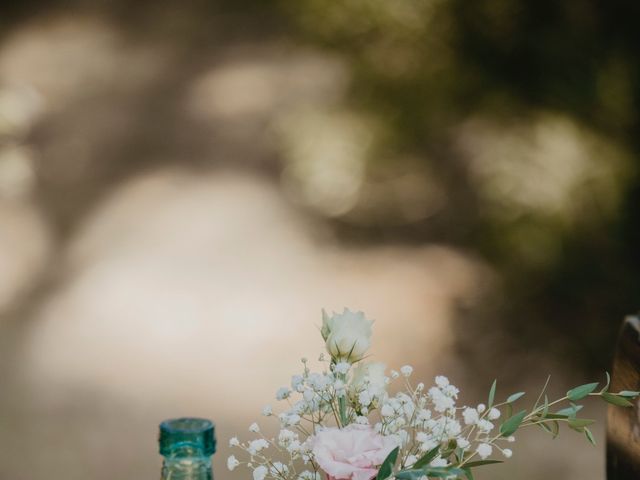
406	370
493	414
232	462
347	335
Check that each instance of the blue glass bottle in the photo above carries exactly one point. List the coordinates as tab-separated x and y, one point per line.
187	445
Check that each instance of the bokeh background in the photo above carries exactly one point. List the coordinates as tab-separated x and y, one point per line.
185	184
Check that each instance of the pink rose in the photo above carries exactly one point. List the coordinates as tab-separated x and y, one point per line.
354	452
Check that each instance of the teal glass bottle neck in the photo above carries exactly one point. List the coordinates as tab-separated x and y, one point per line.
187	468
187	445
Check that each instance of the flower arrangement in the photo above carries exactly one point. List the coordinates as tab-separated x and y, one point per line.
346	423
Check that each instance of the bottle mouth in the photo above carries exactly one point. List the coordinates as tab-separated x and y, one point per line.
186	437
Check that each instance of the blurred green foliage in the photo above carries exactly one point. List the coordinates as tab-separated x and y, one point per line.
519	120
555	206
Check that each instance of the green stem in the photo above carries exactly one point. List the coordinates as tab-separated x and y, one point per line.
342	405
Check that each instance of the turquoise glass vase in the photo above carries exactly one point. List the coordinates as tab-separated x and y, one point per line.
187	445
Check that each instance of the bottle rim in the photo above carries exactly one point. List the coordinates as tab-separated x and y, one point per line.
187	434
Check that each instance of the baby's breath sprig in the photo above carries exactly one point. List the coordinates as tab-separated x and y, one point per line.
349	421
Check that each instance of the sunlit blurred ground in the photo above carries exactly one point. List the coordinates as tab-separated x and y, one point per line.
153	263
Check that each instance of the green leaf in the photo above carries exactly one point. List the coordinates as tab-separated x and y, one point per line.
578	424
570	411
545	409
492	394
557	416
468	474
616	400
550	427
589	436
387	466
443	472
481	462
512	423
628	394
426	458
411	474
581	392
514	397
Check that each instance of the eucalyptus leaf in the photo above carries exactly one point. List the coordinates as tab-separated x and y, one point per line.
411	474
628	394
468	474
582	391
616	400
570	411
443	472
512	423
545	427
426	458
557	416
589	436
492	393
514	397
545	409
387	466
579	423
482	462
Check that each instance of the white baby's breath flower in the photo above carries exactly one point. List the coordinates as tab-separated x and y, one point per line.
267	411
481	408
507	452
453	428
256	446
493	414
470	416
254	428
234	442
439	462
232	463
308	475
387	411
364	398
442	381
511	439
406	370
308	395
260	472
441	402
394	374
342	367
297	383
451	391
485	425
282	393
278	469
462	443
484	450
360	420
370	376
291	420
411	459
347	335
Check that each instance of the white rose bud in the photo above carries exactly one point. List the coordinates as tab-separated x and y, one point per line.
347	335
